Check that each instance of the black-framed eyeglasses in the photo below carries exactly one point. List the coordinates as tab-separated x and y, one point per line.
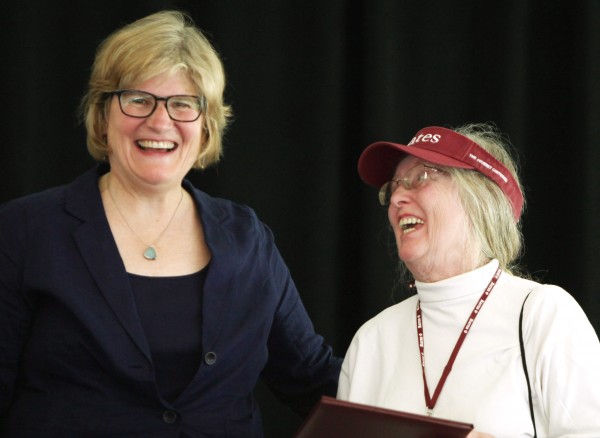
141	104
414	178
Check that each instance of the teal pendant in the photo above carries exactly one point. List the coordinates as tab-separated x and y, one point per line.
150	253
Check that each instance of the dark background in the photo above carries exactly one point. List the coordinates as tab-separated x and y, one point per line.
314	82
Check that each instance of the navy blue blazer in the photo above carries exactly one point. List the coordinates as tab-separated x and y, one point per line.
74	361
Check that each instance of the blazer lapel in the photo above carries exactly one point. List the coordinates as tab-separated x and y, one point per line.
100	253
219	284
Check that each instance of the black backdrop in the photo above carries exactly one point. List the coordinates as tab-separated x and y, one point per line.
312	83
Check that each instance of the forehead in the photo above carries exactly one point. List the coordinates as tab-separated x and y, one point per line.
175	82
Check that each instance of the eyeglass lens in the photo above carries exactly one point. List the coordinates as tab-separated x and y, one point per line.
140	104
414	178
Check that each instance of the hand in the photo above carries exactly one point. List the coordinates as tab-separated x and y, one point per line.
476	434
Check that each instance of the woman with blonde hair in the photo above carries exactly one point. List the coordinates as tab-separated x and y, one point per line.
133	304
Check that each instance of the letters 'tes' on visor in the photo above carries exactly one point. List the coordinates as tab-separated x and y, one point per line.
444	147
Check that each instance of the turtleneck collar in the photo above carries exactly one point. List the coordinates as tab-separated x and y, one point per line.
463	285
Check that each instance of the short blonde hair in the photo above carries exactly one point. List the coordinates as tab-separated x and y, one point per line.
488	208
163	42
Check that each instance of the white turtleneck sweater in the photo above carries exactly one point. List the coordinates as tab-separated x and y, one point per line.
487	385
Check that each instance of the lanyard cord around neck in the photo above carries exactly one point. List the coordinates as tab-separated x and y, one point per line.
429	401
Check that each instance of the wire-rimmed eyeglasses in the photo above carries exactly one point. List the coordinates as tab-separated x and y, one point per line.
414	178
141	104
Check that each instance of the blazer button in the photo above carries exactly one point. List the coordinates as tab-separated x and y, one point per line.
210	358
169	416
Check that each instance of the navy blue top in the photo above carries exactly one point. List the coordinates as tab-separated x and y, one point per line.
170	309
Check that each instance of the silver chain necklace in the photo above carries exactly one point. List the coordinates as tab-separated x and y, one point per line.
150	252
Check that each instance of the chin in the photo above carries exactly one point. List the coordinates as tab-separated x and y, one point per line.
411	253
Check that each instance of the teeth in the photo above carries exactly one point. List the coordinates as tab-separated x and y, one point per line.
408	224
148	144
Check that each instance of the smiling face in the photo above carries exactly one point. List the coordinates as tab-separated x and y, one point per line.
431	227
155	151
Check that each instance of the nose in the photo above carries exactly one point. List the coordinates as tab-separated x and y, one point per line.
160	118
399	195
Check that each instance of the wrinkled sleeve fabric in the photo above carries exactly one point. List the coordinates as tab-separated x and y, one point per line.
302	366
563	358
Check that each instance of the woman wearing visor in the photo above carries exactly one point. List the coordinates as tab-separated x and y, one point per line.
133	304
476	343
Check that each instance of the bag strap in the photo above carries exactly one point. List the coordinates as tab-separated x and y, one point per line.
522	344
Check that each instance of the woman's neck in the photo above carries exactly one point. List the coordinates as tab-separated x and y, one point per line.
433	272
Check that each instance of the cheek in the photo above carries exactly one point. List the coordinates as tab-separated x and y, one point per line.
192	133
391	212
117	126
450	219
113	118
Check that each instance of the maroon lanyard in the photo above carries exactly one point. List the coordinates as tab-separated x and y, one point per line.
430	402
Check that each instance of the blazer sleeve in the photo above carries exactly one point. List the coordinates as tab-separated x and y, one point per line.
301	366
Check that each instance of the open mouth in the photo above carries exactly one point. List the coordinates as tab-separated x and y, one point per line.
159	146
409	224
